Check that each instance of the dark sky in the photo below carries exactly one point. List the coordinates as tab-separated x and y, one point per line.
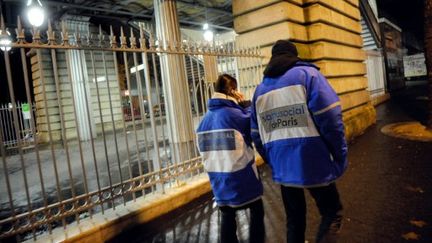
407	14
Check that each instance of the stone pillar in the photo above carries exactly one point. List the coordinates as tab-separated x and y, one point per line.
174	81
327	33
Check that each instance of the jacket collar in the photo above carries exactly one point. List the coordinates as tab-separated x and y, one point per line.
218	95
220	100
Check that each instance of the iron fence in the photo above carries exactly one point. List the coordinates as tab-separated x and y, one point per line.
24	131
90	151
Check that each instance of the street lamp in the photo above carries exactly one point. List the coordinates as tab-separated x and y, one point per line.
208	34
35	13
5	40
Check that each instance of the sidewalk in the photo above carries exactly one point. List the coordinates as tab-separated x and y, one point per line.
386	193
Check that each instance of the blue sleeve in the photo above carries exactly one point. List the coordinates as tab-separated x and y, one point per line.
240	121
326	111
255	132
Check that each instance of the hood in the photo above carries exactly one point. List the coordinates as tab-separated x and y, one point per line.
279	64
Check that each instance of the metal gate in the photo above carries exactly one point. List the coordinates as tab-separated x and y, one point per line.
24	131
99	128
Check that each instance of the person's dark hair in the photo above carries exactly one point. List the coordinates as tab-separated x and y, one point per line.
225	84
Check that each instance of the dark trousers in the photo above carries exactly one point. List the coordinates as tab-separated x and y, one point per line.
329	206
229	226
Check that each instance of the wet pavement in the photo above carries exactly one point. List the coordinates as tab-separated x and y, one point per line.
386	192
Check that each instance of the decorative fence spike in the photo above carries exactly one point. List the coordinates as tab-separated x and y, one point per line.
142	39
50	34
132	39
113	41
64	34
20	32
2	24
123	42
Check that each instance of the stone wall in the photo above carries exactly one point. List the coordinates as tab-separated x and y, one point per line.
327	33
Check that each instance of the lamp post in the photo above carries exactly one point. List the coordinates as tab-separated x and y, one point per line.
35	13
5	40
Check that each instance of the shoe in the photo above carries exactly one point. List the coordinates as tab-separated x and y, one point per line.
331	234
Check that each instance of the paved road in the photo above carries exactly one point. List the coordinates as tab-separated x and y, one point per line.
386	192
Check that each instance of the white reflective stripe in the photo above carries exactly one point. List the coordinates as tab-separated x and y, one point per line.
228	160
254	130
290	95
241	205
327	108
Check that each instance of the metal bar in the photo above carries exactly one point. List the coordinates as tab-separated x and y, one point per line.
6	174
184	120
90	113
62	125
152	115
195	94
174	146
16	125
189	101
103	129
200	83
143	116
249	69
235	63
170	134
69	57
133	118
42	80
9	122
161	120
20	122
114	131
114	128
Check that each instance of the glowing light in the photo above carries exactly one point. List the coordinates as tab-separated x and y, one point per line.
5	41
35	13
205	26
208	35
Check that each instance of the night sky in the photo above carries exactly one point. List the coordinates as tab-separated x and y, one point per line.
407	14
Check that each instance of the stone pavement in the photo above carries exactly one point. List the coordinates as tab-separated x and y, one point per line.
386	193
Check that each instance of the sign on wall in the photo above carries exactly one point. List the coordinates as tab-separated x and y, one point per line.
414	65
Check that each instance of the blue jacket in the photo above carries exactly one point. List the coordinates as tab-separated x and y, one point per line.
225	144
297	127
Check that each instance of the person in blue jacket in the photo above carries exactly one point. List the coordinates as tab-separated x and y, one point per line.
225	144
297	128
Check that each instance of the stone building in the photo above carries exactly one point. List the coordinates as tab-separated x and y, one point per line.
326	32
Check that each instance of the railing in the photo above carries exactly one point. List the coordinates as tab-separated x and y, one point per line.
89	154
23	124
